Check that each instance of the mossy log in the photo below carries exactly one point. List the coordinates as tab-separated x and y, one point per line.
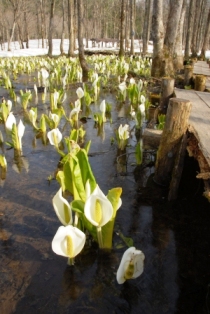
175	127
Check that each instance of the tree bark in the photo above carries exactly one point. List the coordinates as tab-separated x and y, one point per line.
170	36
122	29
43	34
50	35
198	6
178	55
132	25
190	29
206	37
71	27
83	63
16	7
63	28
158	38
147	25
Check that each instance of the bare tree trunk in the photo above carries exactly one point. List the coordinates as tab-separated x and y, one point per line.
158	38
127	26
71	27
63	28
147	24
75	21
26	39
178	55
16	7
20	35
206	37
43	35
202	24
132	25
50	35
190	29
82	59
11	35
198	7
170	36
122	29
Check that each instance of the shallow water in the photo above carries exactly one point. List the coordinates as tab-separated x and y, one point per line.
174	236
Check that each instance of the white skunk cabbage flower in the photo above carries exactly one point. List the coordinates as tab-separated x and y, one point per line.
9	105
35	90
131	265
122	86
140	85
142	99
20	131
55	118
98	209
10	121
123	132
103	106
54	136
68	241
62	208
103	110
74	113
142	110
44	73
80	92
132	81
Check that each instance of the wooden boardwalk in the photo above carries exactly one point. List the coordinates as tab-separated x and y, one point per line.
199	120
199	126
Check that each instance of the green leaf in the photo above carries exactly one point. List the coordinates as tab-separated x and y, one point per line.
74	135
128	241
86	170
139	154
5	111
15	139
87	146
108	229
61	179
78	207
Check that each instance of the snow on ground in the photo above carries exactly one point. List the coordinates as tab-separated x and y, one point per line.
36	50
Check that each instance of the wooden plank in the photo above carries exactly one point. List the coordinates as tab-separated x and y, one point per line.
199	120
201	67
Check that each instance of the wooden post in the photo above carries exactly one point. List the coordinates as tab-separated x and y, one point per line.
167	89
175	127
178	167
200	83
188	74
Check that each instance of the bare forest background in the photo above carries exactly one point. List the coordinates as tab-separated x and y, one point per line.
174	27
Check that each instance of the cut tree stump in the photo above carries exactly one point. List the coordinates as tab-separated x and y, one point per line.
188	74
200	83
175	127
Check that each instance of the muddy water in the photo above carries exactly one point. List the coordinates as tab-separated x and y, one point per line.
174	237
